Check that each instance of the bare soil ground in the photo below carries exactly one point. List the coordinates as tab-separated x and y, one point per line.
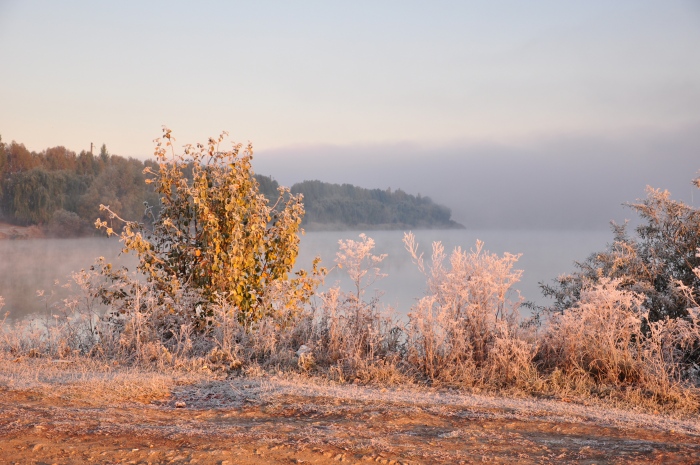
77	414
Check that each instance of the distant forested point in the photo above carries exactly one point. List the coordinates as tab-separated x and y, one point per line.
343	206
61	191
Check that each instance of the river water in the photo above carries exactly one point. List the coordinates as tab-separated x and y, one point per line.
27	266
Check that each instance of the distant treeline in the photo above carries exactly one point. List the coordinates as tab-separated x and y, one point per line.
62	190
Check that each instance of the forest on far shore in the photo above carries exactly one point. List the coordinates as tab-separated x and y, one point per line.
61	191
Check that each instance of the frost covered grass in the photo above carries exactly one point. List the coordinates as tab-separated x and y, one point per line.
465	333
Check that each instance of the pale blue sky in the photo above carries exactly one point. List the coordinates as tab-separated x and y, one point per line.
356	73
515	114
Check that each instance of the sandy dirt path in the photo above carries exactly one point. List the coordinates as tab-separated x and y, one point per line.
247	421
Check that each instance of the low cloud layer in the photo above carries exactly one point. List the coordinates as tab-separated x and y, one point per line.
559	183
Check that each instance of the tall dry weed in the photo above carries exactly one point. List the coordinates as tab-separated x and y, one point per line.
466	329
352	332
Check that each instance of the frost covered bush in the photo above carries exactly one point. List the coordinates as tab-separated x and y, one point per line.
465	330
669	374
628	316
671	351
600	336
654	261
606	341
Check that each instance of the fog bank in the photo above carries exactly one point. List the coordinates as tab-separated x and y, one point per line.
572	182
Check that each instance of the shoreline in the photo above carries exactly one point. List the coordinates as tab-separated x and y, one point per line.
13	232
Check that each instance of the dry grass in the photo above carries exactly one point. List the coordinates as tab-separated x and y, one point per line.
90	381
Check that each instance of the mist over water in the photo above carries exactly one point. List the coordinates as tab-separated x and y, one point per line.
31	265
545	255
27	266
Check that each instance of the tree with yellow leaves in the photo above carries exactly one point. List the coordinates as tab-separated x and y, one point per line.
217	233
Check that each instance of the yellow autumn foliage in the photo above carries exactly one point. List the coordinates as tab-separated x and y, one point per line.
217	233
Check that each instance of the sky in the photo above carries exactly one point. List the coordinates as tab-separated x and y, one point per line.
514	114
